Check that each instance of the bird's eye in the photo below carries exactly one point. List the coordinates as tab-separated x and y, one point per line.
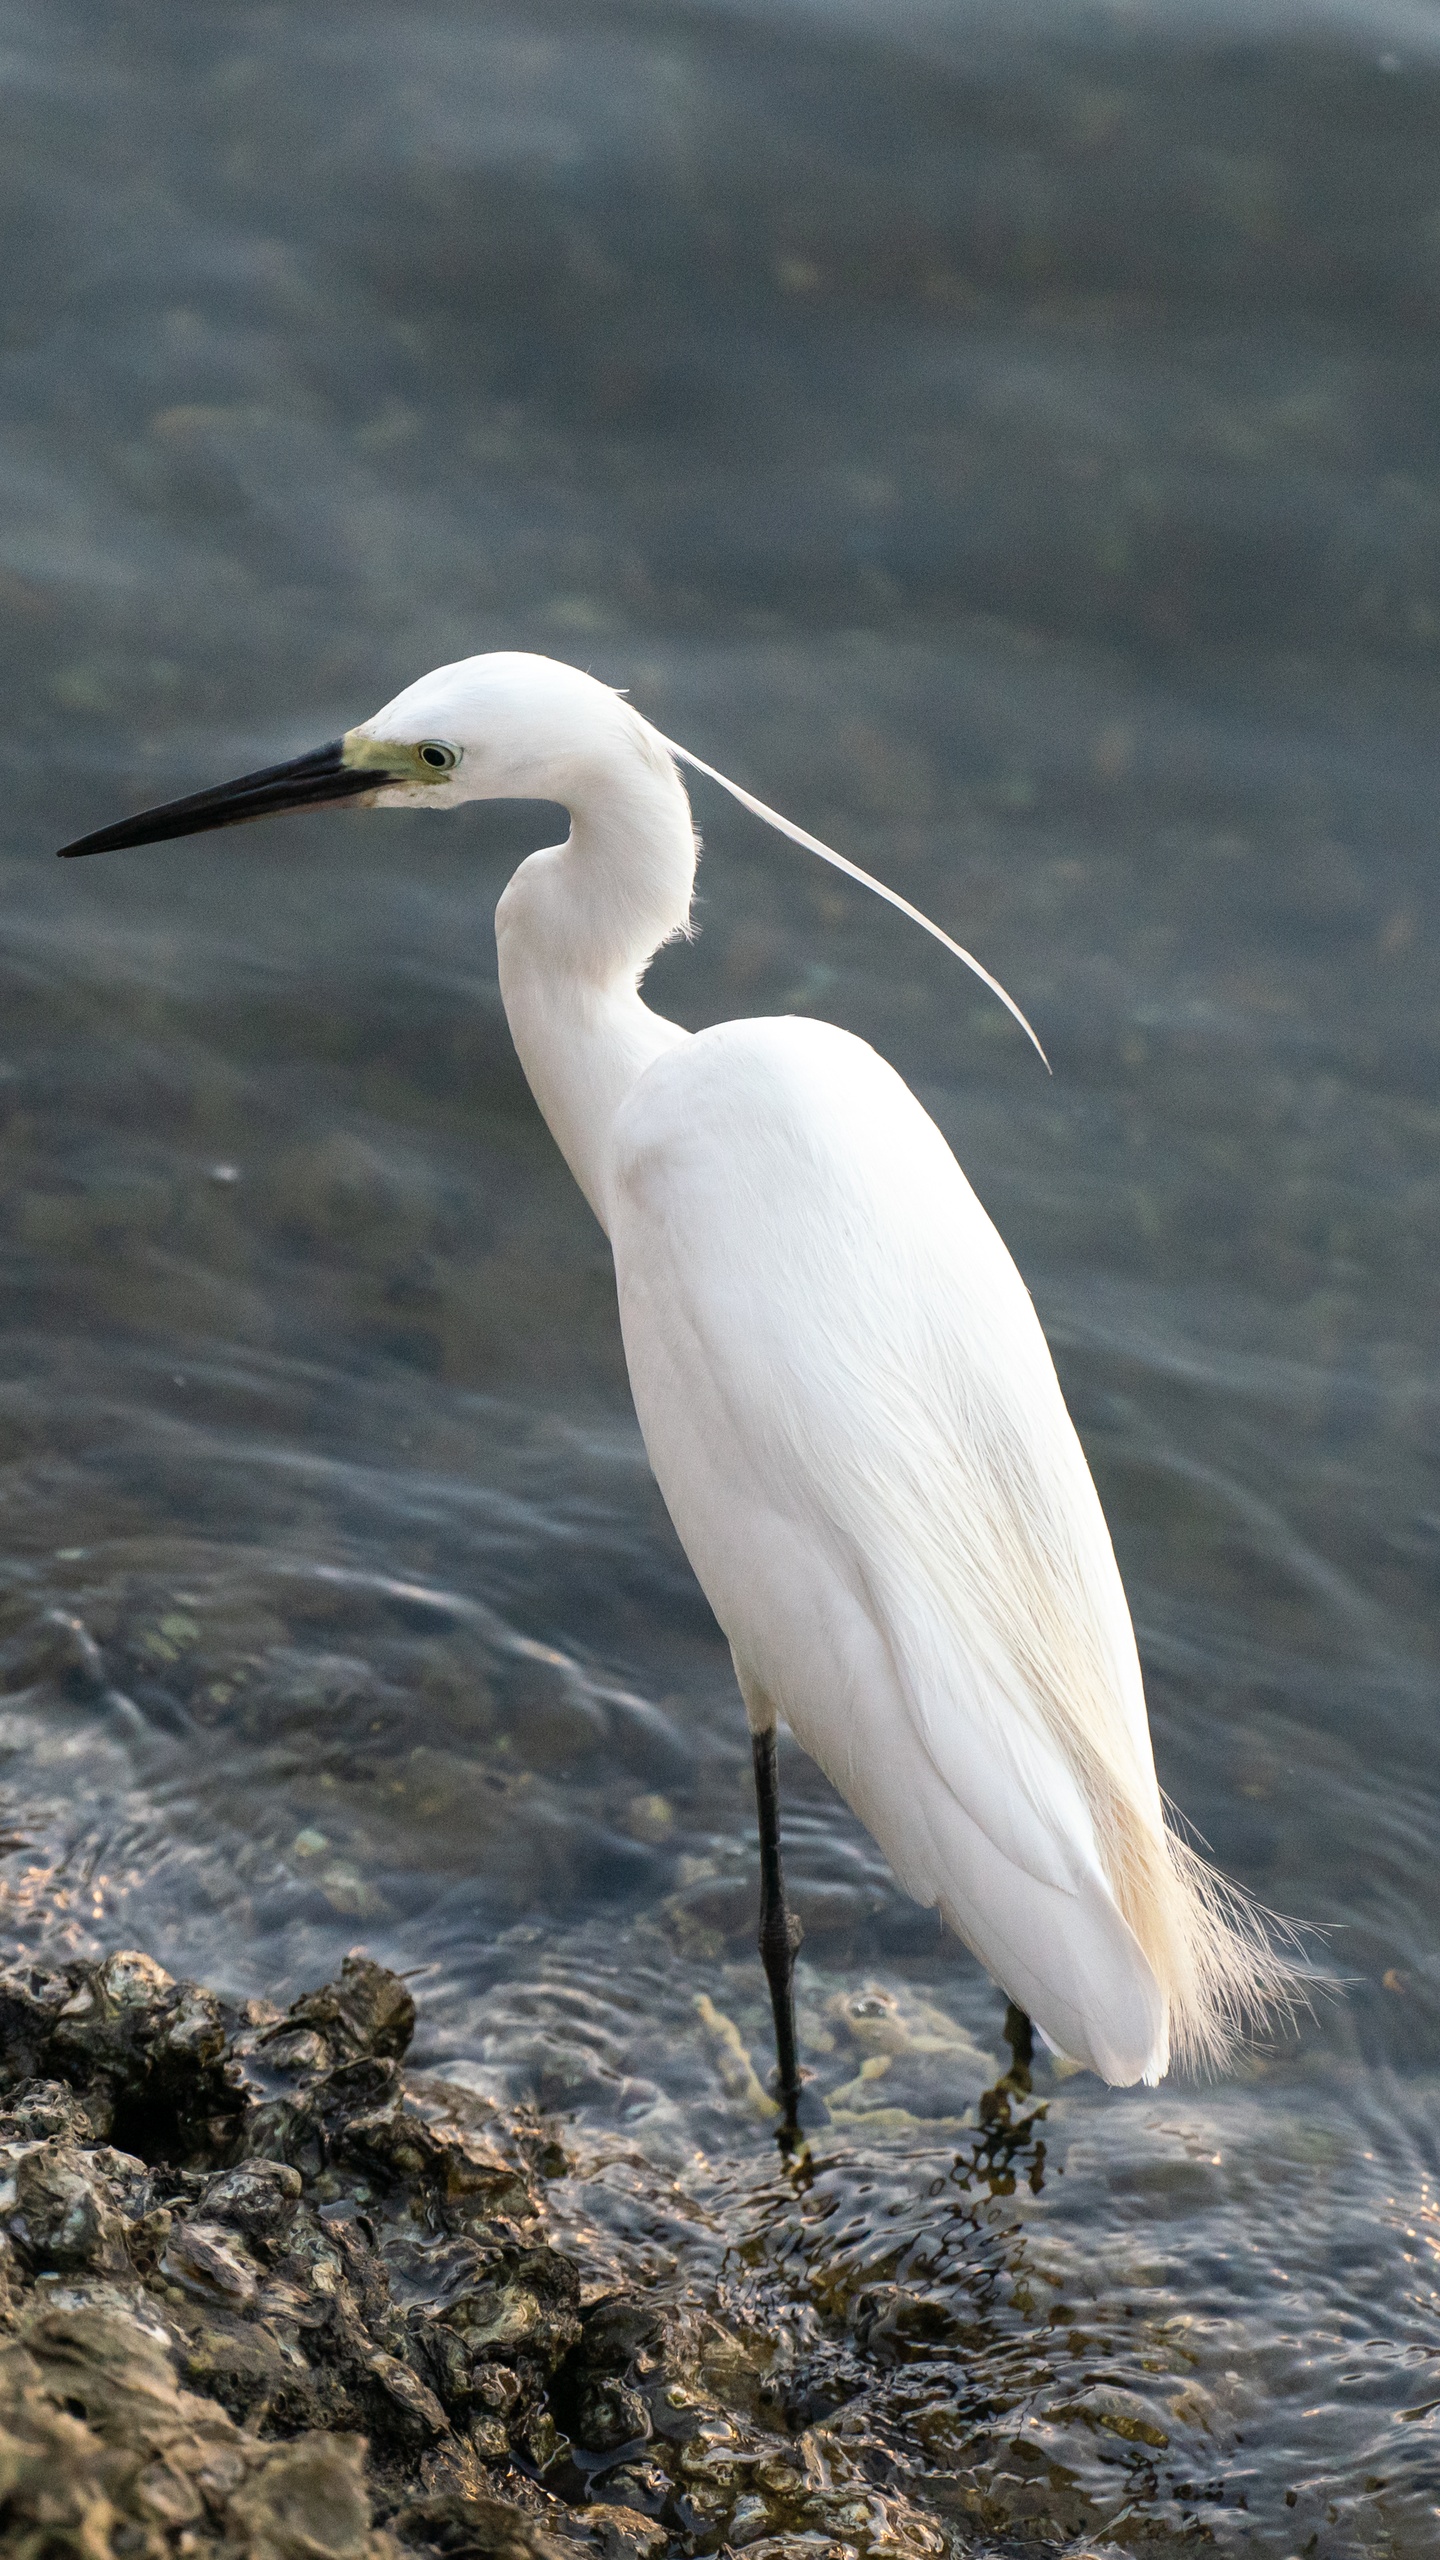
438	754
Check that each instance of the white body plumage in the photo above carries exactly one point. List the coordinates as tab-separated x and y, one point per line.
855	1422
844	1390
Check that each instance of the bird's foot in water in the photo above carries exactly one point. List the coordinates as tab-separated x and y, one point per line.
801	2111
1009	2144
1020	2037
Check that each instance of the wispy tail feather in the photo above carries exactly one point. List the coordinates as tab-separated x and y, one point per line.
1230	1969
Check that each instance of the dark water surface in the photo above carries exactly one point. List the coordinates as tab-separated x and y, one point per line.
1009	440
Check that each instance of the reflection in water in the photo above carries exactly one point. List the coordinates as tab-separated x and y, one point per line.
1007	441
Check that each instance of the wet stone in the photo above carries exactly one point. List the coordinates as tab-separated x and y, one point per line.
368	2011
63	2215
260	2196
461	2525
264	2295
609	2415
46	2107
203	2259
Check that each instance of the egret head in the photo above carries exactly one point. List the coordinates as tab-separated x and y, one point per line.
507	726
503	727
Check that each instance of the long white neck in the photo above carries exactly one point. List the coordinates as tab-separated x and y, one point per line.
576	929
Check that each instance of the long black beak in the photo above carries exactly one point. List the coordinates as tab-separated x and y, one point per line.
307	782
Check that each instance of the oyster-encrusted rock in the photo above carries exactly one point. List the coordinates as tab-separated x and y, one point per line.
264	2297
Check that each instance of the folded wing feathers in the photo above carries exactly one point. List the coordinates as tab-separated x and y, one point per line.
883	1360
999	1575
961	1487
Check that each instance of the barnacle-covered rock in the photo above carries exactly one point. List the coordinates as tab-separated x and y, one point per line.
308	2501
609	2414
263	2296
206	2260
259	2197
58	2210
366	2011
41	2109
103	2452
461	2526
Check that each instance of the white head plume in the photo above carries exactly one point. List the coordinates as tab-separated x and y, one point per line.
852	871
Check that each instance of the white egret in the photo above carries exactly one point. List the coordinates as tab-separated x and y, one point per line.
844	1391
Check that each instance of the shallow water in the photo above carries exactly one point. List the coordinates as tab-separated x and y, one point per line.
1006	439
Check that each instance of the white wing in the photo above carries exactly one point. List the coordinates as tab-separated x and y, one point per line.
855	1422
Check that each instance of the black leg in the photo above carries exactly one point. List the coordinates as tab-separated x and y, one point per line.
1020	2037
779	1932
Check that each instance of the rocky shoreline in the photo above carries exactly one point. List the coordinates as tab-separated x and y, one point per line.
263	2293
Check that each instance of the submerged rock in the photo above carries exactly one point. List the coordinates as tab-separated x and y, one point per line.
261	2296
